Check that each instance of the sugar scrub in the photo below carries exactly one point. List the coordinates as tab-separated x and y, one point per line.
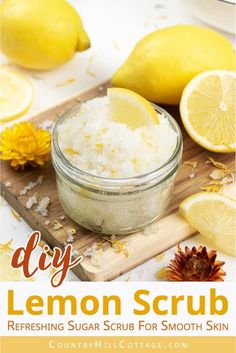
110	178
92	142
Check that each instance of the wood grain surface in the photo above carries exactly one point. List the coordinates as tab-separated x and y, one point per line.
165	233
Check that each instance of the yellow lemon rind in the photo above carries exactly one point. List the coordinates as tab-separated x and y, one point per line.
200	140
28	103
148	112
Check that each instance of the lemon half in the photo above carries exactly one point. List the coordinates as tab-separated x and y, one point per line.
207	110
128	107
16	94
214	216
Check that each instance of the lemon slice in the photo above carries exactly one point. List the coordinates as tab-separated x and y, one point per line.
207	110
214	216
16	94
128	107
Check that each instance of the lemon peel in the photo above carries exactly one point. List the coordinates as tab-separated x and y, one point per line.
16	94
214	216
128	107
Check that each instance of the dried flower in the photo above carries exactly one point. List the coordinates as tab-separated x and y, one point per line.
195	265
24	144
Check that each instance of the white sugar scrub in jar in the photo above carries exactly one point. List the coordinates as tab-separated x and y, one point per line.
113	178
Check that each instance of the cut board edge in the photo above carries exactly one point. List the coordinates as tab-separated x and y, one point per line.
82	271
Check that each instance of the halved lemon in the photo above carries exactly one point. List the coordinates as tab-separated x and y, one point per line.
128	107
16	94
214	216
207	109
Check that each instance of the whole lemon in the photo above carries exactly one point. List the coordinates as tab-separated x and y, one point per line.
163	62
41	34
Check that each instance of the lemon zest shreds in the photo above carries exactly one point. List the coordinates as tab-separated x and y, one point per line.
66	82
218	174
118	246
162	273
6	245
192	164
71	151
216	164
212	188
15	214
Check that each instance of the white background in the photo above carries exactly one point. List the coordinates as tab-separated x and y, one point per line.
114	27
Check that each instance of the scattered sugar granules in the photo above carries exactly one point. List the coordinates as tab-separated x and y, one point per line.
31	201
90	250
47	125
193	165
31	185
151	229
219	176
42	206
62	217
8	184
70	235
100	89
97	259
57	225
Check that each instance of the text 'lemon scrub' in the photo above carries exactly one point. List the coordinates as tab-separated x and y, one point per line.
115	173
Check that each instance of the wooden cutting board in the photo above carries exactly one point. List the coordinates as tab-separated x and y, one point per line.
141	246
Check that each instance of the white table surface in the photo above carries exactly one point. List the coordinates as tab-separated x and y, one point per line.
114	27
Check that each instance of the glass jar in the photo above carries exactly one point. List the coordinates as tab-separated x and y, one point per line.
112	205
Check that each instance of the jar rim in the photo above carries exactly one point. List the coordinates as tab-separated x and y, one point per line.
162	170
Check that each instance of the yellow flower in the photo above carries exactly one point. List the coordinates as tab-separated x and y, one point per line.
24	145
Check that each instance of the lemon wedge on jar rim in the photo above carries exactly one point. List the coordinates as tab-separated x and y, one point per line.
128	107
214	216
16	94
207	110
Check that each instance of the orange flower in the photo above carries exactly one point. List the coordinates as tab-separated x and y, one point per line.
195	265
24	144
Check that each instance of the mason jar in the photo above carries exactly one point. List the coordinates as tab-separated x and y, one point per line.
114	205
